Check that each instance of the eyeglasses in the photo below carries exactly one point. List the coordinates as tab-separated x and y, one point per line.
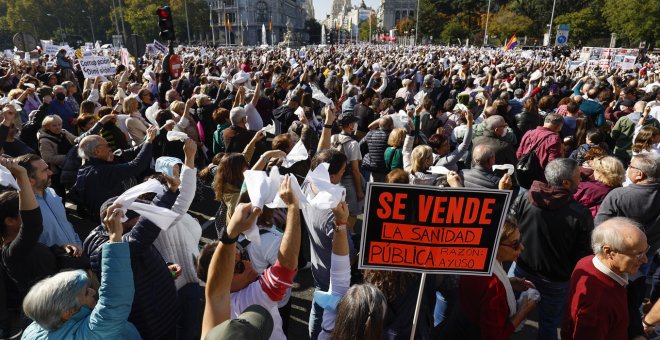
239	267
636	256
515	245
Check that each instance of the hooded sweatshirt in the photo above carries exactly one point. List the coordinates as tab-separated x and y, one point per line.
555	229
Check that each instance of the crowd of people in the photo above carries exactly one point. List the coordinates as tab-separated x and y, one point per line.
282	143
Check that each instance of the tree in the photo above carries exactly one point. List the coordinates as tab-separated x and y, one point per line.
405	25
453	30
431	21
635	20
313	28
364	28
585	24
506	23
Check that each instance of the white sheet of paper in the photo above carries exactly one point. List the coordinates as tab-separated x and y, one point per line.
298	153
262	189
7	179
325	195
161	217
151	112
438	169
176	135
279	203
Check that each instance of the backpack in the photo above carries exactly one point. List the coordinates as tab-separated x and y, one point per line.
528	168
337	142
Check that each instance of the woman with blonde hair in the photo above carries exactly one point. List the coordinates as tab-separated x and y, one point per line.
394	153
135	124
608	174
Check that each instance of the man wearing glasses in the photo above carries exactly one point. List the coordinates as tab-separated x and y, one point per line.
638	201
597	306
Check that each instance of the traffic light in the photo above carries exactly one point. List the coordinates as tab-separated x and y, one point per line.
165	23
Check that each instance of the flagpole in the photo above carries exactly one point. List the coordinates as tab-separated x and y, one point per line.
211	23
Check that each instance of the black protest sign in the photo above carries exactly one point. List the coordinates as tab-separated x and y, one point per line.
432	230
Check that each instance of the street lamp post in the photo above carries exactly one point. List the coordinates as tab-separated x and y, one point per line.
211	23
552	16
185	5
417	23
91	26
486	29
60	25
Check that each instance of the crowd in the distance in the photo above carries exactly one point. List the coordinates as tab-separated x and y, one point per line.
281	144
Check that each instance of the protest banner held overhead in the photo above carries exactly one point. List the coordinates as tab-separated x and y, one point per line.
93	66
431	230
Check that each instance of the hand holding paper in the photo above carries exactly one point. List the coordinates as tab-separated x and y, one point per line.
161	217
324	195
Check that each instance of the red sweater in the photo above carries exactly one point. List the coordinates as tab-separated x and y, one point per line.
484	301
548	141
597	307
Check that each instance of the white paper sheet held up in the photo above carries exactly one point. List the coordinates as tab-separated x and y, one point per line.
161	217
297	153
7	179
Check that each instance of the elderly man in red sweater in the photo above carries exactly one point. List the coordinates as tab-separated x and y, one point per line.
597	306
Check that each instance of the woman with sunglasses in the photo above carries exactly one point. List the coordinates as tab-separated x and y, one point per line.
488	302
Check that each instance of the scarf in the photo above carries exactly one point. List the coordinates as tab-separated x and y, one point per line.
498	270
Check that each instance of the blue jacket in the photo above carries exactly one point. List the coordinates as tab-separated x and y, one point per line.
65	111
57	228
108	319
155	310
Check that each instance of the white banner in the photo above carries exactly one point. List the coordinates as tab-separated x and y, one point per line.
96	66
160	47
51	49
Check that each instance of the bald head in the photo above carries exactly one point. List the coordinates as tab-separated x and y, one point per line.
386	123
483	155
618	233
640	106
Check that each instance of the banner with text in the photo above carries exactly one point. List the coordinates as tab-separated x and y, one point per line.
432	230
93	66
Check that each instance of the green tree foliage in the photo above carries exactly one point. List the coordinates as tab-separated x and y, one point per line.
506	23
453	30
141	15
313	28
363	28
405	25
431	21
635	20
30	16
584	25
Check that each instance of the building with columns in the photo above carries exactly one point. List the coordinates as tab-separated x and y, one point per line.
391	12
244	20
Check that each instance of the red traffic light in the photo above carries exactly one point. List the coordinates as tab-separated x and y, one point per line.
162	13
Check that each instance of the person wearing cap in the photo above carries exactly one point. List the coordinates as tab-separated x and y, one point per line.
227	296
254	323
155	309
352	179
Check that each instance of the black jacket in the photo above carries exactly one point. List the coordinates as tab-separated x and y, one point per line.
155	308
504	151
556	231
527	121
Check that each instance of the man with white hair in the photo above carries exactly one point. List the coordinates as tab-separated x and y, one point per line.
100	178
237	137
597	307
